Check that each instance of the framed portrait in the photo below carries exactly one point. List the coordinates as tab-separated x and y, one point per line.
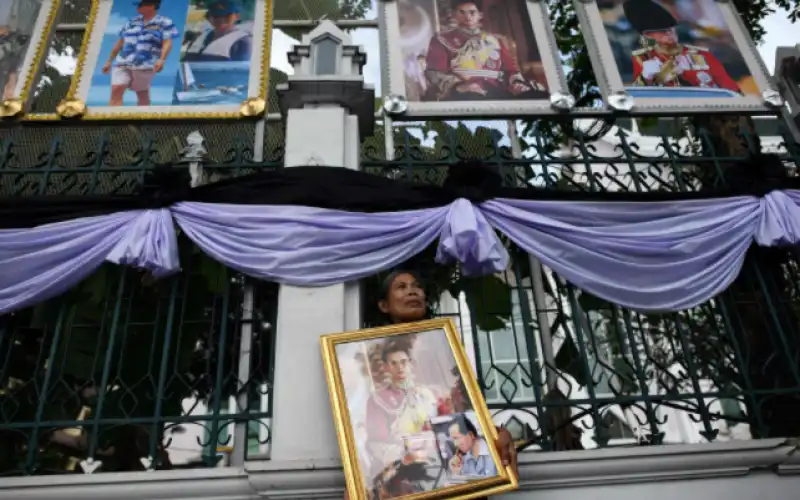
26	28
671	56
487	58
154	59
409	415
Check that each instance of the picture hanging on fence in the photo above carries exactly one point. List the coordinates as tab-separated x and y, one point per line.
674	56
155	59
469	57
409	415
26	27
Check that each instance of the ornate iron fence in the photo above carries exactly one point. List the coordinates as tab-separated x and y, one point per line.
126	373
566	370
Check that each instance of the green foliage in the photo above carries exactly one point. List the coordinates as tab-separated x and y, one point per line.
314	10
488	298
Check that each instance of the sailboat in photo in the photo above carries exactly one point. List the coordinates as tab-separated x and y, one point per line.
192	92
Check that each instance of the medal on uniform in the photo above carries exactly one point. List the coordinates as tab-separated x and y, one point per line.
704	79
683	62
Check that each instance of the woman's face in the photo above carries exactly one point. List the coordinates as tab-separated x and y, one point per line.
405	301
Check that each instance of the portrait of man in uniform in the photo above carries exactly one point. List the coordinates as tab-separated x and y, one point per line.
678	48
664	61
469	63
468	50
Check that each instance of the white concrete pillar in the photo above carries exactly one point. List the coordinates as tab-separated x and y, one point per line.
325	119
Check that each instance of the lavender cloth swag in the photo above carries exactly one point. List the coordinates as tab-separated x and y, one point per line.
652	256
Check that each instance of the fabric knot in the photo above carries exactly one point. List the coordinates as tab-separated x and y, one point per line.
149	242
467	238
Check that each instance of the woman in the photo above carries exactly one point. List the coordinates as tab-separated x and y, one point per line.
403	301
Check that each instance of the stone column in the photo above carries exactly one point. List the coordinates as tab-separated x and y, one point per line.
327	109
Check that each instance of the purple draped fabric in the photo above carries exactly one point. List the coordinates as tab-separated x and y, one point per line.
149	243
780	221
468	238
307	246
42	262
663	256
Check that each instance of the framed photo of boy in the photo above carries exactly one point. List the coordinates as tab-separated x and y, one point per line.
151	59
409	415
675	56
488	58
26	27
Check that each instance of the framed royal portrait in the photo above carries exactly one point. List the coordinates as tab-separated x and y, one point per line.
675	56
26	28
487	58
153	59
409	415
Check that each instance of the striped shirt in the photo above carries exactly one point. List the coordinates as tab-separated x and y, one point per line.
143	41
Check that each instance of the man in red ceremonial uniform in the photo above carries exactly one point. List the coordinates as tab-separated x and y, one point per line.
667	63
467	63
399	409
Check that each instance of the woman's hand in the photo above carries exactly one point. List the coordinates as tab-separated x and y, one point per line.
507	450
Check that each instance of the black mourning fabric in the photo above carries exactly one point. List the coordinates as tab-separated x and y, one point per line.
346	189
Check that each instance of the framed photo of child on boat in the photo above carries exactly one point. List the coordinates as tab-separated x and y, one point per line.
409	415
154	59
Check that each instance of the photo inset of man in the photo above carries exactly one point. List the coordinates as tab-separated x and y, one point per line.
472	457
468	63
225	40
665	62
141	51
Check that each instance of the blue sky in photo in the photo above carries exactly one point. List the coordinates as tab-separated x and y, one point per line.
161	92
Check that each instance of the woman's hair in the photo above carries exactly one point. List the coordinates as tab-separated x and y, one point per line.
386	284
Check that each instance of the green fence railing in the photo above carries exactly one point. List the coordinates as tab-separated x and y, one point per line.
125	373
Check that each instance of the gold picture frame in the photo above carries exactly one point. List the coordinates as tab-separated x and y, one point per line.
30	40
250	97
394	348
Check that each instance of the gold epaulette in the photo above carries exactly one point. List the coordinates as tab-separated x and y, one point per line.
642	51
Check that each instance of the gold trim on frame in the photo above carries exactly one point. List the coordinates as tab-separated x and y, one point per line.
502	483
11	108
88	115
15	106
71	108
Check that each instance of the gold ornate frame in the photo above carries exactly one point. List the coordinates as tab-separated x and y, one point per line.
72	106
505	481
33	59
